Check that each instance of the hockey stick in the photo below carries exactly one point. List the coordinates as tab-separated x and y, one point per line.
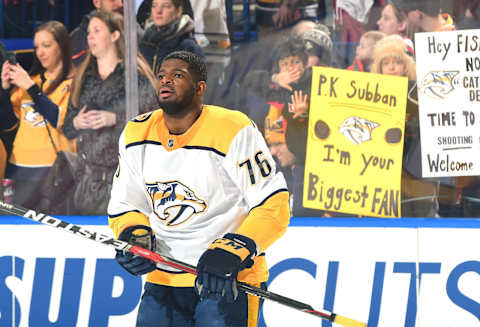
156	257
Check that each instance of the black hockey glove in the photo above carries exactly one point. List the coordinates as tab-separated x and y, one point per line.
218	267
139	235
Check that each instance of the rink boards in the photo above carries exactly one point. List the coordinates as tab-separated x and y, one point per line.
387	272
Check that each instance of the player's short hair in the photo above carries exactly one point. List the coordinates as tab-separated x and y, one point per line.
196	64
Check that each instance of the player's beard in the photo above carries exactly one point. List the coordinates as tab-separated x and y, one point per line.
178	107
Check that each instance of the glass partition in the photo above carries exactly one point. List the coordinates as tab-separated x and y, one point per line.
367	107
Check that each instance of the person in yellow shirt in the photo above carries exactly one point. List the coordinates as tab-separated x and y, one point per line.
39	101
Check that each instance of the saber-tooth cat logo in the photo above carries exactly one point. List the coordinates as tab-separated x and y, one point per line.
173	202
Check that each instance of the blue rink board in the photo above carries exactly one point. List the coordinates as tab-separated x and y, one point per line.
301	222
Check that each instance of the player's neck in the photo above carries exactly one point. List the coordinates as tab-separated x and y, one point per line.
181	124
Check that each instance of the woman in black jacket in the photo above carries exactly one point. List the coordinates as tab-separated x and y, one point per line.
167	29
97	109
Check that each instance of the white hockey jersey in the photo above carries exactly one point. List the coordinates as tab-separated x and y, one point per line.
215	178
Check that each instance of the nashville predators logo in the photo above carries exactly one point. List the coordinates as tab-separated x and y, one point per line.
34	118
438	84
174	203
358	130
142	117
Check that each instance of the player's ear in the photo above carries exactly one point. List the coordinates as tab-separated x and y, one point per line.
200	87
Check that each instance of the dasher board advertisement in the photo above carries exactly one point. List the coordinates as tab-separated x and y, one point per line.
448	77
385	272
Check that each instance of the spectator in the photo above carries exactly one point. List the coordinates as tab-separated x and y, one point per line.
279	14
211	28
265	86
293	81
419	196
39	102
465	13
8	124
145	8
393	21
8	129
351	17
275	128
318	45
167	30
303	26
96	113
79	34
391	57
426	15
364	52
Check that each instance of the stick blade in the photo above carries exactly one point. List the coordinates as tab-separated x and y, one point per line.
347	322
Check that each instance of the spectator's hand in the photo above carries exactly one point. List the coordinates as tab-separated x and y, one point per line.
6	75
20	77
300	103
101	118
81	119
284	79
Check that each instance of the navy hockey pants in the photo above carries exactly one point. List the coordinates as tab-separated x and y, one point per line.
165	306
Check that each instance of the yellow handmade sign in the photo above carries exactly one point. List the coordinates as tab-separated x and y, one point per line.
355	143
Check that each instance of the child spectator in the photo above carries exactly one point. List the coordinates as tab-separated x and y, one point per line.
39	102
318	46
391	57
293	80
364	52
96	111
167	30
419	196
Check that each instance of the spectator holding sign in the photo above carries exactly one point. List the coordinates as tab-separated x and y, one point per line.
419	196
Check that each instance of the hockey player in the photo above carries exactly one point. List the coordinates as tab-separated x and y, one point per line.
197	183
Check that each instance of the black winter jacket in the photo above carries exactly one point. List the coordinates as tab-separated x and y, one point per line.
158	41
100	147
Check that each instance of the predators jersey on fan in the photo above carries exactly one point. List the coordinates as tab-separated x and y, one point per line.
217	177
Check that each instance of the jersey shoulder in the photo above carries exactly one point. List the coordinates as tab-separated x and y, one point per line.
231	119
221	126
139	128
